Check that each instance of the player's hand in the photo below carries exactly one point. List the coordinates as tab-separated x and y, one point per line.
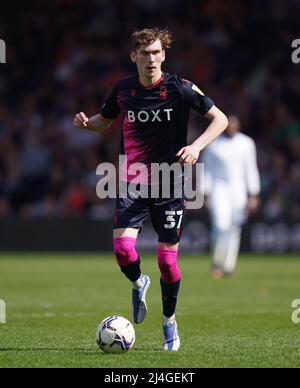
81	120
253	204
189	154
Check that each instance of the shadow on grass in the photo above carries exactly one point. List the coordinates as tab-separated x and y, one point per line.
81	350
87	351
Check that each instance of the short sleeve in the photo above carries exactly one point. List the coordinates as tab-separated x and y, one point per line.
195	98
111	108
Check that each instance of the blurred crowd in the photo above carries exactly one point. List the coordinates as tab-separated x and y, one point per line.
64	56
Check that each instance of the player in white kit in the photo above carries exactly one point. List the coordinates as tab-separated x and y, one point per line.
232	184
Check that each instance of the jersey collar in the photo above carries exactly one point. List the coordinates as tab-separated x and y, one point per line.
153	85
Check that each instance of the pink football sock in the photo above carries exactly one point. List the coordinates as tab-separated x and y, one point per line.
124	249
167	262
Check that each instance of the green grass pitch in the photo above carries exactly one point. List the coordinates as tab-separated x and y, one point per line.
55	302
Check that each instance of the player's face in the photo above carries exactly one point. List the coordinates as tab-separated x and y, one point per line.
234	126
149	60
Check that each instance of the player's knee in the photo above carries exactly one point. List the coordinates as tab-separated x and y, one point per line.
124	249
167	262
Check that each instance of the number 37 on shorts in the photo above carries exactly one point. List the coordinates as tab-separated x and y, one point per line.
173	219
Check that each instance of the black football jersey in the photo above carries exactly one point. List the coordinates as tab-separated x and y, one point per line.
156	118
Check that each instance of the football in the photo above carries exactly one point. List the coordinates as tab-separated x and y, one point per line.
115	334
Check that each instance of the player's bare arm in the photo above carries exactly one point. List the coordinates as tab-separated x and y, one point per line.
95	123
219	122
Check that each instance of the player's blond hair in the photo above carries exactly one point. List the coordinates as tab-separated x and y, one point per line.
148	36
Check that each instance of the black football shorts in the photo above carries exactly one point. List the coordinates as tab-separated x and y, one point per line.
166	216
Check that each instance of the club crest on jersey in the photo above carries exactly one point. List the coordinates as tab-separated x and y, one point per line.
144	116
133	92
163	93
